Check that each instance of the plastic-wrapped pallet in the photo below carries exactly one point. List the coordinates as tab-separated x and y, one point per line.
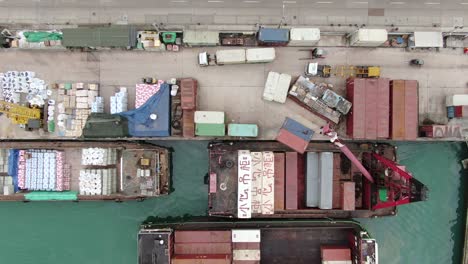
119	102
4	153
98	181
98	156
98	105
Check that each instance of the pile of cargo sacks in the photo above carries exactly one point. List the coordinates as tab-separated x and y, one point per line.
382	109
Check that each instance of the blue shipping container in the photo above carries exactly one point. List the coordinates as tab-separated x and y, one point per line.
298	129
450	111
273	35
140	123
242	130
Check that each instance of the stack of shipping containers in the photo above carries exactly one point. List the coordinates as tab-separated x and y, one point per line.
188	92
295	135
210	123
382	109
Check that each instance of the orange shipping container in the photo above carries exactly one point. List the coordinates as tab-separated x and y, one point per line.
348	196
371	108
279	181
383	108
356	120
411	109
397	98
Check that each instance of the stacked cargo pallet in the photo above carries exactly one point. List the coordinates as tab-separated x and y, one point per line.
189	90
101	177
210	123
42	170
74	107
295	135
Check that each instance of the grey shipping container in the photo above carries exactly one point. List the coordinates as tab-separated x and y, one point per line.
326	180
312	179
298	129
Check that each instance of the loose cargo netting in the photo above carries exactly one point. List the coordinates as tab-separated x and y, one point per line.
40	36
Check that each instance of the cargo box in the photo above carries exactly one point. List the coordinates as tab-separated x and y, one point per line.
348	199
368	37
242	130
298	129
209	117
397	109
188	93
234	56
202	237
279	181
188	124
200	38
326	180
356	120
210	130
294	142
294	181
304	36
411	110
279	36
259	55
312	179
383	108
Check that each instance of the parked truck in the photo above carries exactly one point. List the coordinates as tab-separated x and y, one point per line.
237	56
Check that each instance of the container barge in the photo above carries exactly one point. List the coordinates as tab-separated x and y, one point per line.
253	242
83	170
265	179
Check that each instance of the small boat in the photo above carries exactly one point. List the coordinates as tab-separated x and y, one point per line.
83	170
269	241
266	179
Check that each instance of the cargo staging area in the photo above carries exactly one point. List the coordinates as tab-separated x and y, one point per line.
320	105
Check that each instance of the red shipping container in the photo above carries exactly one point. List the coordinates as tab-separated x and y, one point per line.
411	110
458	111
383	108
292	141
397	109
371	108
356	120
246	245
202	248
188	123
279	181
188	93
295	181
202	237
348	196
335	253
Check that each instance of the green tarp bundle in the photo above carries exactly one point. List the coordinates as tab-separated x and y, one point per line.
48	196
39	36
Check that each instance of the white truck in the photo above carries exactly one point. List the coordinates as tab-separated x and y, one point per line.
237	56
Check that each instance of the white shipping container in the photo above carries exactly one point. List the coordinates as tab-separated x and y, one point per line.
326	180
258	55
234	56
244	184
368	37
270	86
201	38
304	36
246	255
428	40
312	179
456	99
209	117
281	91
257	175
246	235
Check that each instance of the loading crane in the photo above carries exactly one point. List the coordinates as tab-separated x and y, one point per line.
386	183
21	115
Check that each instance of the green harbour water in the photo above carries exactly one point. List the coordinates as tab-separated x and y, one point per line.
105	232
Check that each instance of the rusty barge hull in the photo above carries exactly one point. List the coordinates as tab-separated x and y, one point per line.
128	157
292	241
223	173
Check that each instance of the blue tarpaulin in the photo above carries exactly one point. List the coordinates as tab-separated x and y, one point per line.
13	167
140	123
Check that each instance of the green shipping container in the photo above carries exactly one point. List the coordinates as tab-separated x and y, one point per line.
242	130
210	130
